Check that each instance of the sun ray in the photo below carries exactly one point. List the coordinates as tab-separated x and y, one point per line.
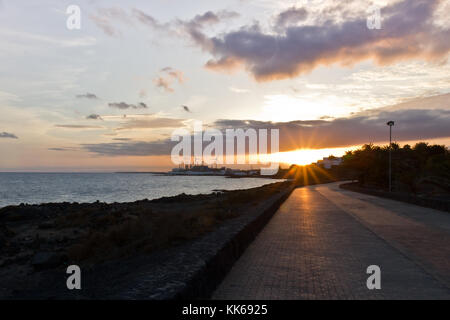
310	170
325	172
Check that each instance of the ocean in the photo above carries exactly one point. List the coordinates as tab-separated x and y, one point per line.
35	188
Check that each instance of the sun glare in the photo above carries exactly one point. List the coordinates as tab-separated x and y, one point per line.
282	108
308	156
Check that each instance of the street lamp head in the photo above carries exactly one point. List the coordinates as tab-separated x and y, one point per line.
390	123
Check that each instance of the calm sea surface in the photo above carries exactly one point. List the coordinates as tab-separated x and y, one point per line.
34	188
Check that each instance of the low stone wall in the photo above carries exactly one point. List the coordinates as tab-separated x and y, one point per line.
194	270
424	202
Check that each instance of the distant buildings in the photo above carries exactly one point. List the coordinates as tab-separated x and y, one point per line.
198	170
202	170
329	162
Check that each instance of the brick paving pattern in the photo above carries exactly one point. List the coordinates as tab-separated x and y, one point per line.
322	239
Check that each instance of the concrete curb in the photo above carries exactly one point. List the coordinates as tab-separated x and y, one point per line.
428	203
194	270
203	284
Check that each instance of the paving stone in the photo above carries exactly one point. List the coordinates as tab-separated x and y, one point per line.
318	246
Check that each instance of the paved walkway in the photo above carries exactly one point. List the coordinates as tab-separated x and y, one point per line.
322	239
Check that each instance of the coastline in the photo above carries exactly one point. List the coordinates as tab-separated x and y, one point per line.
442	204
18	188
39	241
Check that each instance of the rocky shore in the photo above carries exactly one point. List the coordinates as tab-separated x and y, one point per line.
112	243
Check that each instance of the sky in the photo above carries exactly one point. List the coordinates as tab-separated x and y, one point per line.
107	96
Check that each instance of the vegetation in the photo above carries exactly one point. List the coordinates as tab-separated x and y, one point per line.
423	169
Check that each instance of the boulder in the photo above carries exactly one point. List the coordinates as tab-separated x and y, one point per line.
46	260
47	225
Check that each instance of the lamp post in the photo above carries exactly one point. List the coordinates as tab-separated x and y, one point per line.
390	124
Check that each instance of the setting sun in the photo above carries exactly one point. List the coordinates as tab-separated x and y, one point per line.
308	156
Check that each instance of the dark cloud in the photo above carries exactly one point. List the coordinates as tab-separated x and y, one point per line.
8	135
186	108
365	127
121	139
87	96
407	32
194	28
362	128
209	18
290	17
62	149
57	149
139	148
94	117
440	101
106	19
123	105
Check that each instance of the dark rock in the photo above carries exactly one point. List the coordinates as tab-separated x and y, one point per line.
22	257
46	260
5	231
11	249
47	225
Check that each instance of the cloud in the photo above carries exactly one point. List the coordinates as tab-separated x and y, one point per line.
167	77
62	42
208	18
420	118
194	28
139	148
8	135
151	123
407	33
148	20
122	139
94	117
440	101
143	93
163	83
175	74
339	35
76	126
106	19
63	149
87	96
57	149
290	17
365	127
186	108
104	25
238	90
123	105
